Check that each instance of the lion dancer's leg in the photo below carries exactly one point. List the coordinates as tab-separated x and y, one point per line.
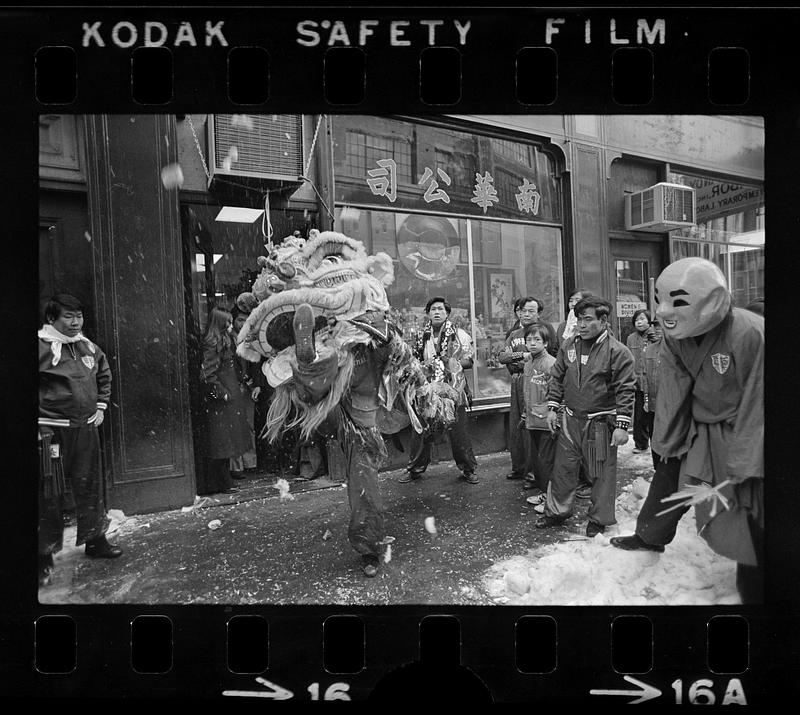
313	379
366	530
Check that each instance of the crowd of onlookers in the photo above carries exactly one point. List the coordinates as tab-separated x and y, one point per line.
575	393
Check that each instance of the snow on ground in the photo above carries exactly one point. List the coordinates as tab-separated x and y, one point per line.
592	572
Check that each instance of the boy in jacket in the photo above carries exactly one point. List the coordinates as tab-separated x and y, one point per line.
74	391
594	381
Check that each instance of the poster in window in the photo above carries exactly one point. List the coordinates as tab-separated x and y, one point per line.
501	294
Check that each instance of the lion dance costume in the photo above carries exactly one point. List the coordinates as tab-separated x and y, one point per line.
340	369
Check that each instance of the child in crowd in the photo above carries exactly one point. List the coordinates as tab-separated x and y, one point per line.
536	379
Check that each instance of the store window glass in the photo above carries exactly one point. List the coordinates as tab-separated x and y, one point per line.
401	165
730	231
479	266
633	280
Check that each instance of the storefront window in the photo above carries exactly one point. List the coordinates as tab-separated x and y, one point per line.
730	231
469	217
479	266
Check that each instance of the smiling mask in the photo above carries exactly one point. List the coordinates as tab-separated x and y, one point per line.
692	296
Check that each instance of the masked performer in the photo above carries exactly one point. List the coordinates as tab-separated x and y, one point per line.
709	422
340	370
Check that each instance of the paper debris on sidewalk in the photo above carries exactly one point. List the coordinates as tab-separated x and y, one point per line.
283	489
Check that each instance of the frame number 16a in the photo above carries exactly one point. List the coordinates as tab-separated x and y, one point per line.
700	692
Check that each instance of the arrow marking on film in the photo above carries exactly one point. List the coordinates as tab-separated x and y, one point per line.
275	692
644	692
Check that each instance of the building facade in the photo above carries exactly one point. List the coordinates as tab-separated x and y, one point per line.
480	209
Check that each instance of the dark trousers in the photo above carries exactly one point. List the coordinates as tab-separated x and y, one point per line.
460	443
642	422
217	477
366	531
519	445
543	453
660	530
750	579
576	442
80	451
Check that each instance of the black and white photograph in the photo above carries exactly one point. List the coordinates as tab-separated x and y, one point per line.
362	359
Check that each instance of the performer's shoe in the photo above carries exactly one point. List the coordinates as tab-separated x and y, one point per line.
370	566
470	478
593	529
536	499
584	492
634	543
545	521
99	548
529	482
410	476
303	325
514	475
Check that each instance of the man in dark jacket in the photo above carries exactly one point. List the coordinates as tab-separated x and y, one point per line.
513	357
594	382
74	392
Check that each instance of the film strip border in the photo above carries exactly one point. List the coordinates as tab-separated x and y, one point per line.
678	657
345	78
388	60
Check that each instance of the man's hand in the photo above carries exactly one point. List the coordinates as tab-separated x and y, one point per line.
619	437
99	416
552	421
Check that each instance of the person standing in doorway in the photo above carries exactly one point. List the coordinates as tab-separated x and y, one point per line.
642	334
446	351
594	382
513	357
228	430
248	375
74	393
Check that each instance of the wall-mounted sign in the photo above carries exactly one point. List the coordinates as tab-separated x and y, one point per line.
626	309
382	181
719	198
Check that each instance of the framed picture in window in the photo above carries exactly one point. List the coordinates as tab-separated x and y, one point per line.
501	293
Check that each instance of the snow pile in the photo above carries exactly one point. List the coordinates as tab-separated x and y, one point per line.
592	572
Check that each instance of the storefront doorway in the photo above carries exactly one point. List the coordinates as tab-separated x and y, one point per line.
633	264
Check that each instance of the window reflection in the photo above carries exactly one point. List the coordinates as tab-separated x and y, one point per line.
730	232
432	257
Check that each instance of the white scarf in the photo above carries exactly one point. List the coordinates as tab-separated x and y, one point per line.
569	328
56	339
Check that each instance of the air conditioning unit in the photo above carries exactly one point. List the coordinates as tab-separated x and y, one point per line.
660	208
261	146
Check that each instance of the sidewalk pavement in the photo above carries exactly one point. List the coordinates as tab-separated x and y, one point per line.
289	546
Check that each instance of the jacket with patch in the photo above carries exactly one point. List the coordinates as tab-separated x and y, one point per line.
71	392
606	382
